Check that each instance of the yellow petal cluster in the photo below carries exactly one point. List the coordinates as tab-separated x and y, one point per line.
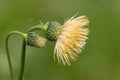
71	39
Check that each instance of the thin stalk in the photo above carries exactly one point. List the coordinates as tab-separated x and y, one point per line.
7	51
38	27
22	60
8	58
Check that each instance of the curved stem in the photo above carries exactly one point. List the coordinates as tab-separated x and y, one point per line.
22	60
9	60
38	27
7	51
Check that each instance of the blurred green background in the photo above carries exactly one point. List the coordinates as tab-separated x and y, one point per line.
100	60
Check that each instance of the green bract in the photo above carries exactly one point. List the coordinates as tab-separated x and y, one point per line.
53	31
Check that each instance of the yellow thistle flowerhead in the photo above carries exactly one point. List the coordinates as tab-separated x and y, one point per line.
71	39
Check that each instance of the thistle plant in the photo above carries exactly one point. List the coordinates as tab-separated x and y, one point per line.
70	39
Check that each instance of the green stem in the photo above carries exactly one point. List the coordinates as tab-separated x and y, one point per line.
22	60
7	51
38	27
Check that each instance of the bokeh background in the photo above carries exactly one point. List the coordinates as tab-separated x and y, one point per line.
100	59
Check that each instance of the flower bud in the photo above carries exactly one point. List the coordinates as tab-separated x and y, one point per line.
35	40
53	31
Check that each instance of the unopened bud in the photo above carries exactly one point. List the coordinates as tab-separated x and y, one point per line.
35	40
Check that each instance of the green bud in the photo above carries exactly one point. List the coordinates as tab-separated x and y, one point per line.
35	40
53	31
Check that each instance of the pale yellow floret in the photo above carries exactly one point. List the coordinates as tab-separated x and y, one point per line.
71	39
